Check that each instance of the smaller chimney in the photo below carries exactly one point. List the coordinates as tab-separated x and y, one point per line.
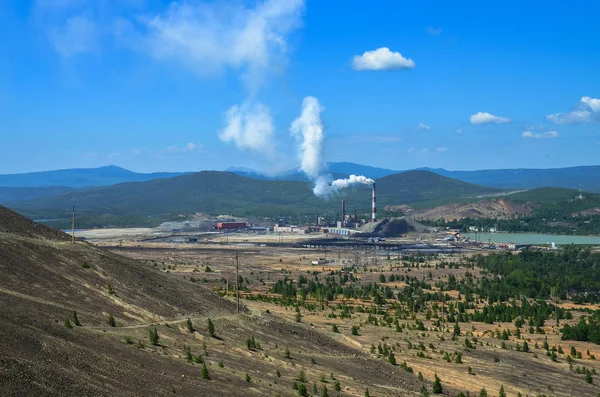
374	215
343	212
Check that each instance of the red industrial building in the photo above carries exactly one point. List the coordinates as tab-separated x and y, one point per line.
230	225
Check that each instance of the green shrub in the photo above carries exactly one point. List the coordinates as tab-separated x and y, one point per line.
111	321
204	372
302	390
211	328
337	386
153	336
437	385
68	324
75	319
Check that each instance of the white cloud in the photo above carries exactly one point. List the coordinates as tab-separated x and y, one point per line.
113	154
78	34
424	150
586	111
459	131
423	127
189	148
539	135
136	151
434	31
381	59
442	149
412	149
209	37
249	126
487	118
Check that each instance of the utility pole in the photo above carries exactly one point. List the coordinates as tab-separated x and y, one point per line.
443	327
227	286
237	280
555	300
73	227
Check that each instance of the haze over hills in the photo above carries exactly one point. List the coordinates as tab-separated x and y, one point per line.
217	192
15	194
582	177
81	177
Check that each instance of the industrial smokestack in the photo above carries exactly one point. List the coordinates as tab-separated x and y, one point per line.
343	211
374	216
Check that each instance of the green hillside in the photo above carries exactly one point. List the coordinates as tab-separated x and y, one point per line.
148	203
425	186
556	211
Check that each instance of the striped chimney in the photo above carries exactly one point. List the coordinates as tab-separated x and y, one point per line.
374	216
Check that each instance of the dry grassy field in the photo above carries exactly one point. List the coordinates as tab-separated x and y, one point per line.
491	363
122	316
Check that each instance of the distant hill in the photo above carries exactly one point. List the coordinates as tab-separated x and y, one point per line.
425	186
12	194
584	177
217	192
81	177
346	168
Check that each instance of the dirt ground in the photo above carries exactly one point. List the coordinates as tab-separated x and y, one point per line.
149	285
491	365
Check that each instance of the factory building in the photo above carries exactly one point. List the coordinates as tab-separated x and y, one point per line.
230	225
292	229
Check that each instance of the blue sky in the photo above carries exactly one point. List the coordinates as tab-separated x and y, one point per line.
156	85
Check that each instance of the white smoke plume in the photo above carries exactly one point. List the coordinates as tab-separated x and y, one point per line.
308	130
339	184
249	126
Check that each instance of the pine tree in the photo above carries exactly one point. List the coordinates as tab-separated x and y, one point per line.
75	319
68	324
367	394
502	393
437	385
211	329
337	386
111	321
204	372
456	330
324	392
189	326
302	390
153	337
392	359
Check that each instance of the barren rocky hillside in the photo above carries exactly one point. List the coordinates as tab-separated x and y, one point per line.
45	350
494	209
